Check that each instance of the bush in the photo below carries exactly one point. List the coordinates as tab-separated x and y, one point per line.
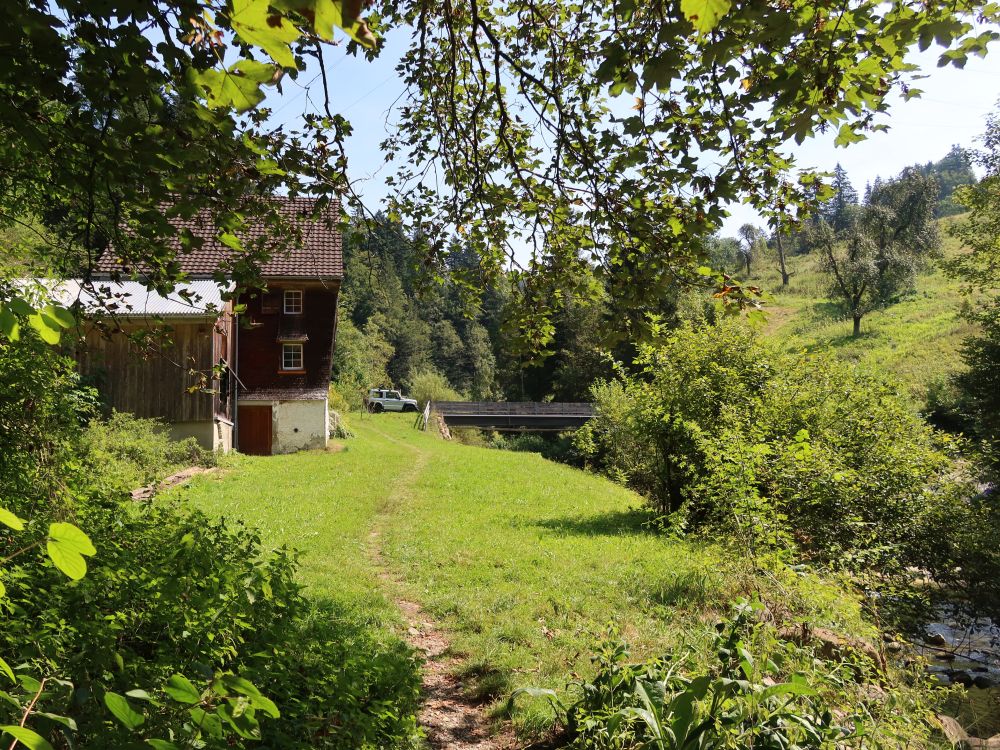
171	591
759	691
431	385
173	627
126	452
723	434
553	447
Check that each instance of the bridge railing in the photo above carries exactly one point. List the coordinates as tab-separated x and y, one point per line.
513	408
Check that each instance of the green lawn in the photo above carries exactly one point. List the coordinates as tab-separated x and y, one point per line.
525	562
915	340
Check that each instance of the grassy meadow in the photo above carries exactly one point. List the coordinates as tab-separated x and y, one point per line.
526	563
916	340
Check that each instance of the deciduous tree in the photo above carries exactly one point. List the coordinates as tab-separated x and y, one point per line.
980	270
121	117
875	259
751	239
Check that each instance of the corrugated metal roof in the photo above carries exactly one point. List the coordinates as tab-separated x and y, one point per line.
131	299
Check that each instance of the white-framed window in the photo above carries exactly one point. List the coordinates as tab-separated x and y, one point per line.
293	301
291	357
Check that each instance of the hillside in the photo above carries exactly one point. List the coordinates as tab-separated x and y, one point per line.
520	564
916	340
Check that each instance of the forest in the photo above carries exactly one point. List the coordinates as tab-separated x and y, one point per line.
781	526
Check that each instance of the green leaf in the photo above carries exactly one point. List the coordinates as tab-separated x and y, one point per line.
162	745
19	307
9	519
788	688
209	724
66	547
9	325
847	135
255	24
704	15
66	721
231	241
48	331
181	690
330	13
269	166
60	315
240	718
123	711
257	699
237	87
5	669
31	740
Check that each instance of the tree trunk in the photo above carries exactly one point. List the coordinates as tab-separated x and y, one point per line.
857	325
781	258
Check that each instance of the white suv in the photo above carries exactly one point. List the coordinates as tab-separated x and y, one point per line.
380	399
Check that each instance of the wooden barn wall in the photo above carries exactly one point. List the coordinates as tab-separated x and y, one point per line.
223	343
152	384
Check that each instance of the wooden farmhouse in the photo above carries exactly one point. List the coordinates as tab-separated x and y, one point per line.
257	381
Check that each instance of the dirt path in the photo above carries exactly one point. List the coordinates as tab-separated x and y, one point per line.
451	720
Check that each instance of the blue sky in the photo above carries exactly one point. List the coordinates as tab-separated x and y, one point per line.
952	110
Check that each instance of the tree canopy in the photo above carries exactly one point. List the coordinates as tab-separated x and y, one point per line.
979	269
610	137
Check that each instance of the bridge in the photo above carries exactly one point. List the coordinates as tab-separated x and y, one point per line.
527	416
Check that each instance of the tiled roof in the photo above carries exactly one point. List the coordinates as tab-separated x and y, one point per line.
319	255
289	393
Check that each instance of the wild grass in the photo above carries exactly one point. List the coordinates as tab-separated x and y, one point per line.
916	340
523	561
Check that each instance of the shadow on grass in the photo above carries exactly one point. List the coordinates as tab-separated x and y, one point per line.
612	523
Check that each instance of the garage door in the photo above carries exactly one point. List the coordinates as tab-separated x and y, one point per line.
254	425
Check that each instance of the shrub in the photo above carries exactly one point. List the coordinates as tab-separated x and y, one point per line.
759	691
174	591
723	434
128	452
175	627
430	385
553	447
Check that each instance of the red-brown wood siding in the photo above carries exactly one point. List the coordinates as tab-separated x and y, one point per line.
255	430
260	351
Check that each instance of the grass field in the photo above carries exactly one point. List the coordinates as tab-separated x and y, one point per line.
916	340
524	561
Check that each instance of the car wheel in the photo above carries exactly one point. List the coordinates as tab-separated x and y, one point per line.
377	408
409	407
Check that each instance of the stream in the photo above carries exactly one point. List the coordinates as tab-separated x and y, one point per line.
967	655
